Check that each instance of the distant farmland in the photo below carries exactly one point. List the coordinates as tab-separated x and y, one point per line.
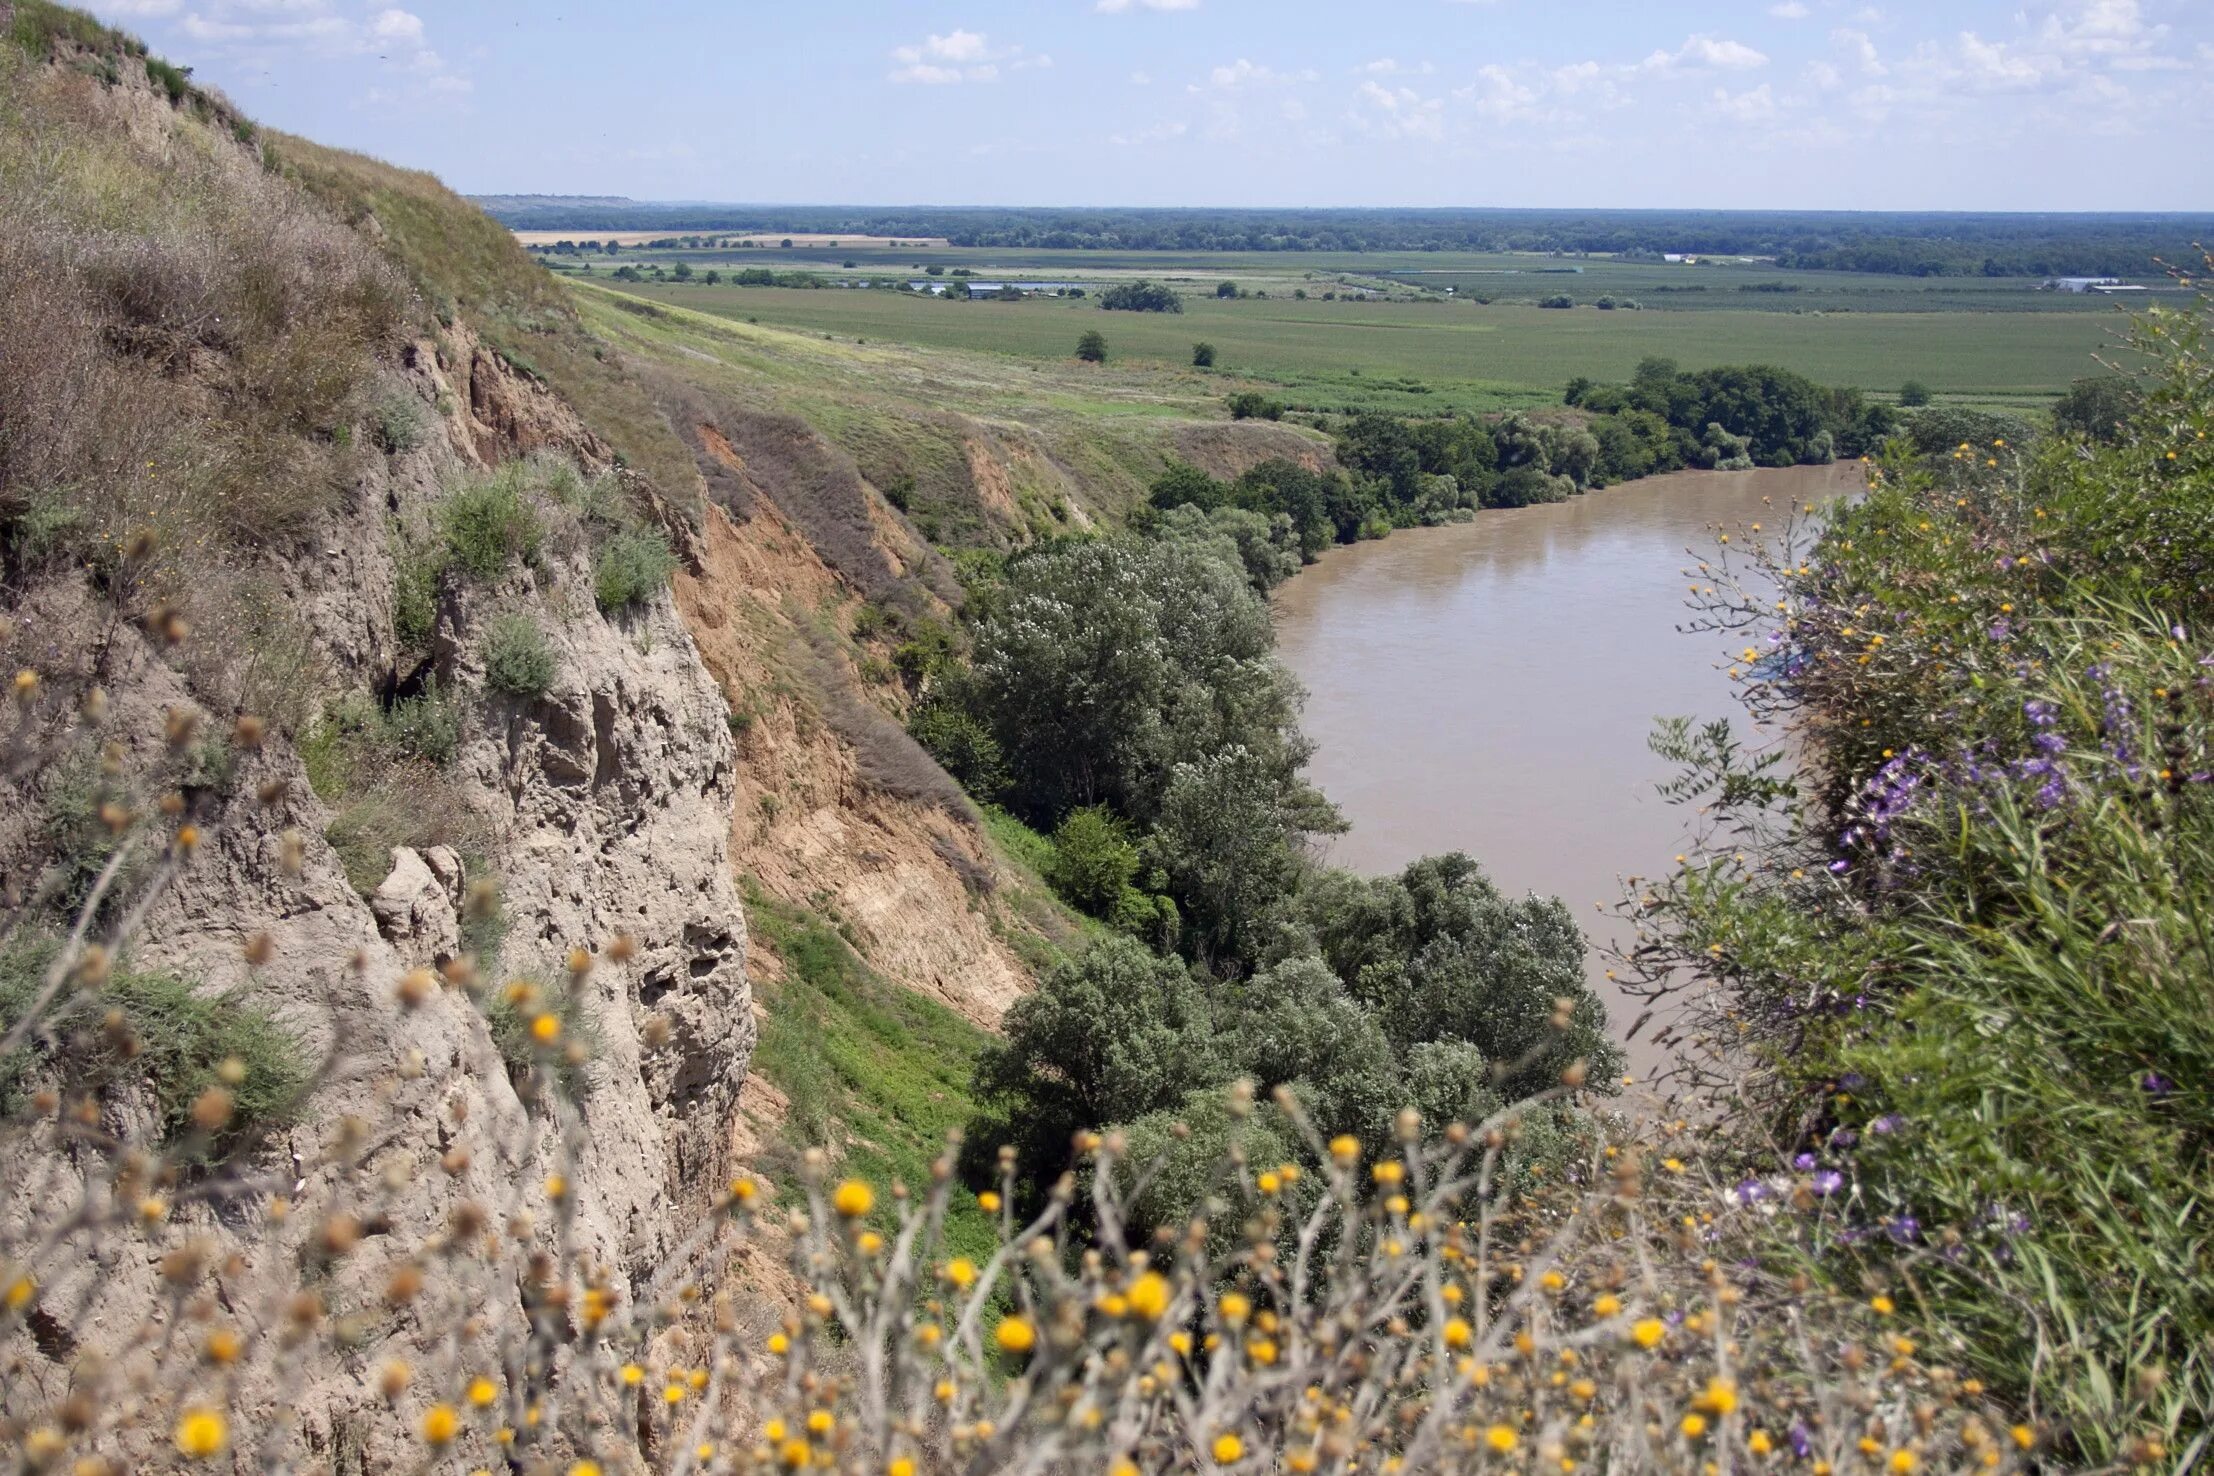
1458	354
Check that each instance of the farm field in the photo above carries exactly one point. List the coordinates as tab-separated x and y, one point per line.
1448	355
1723	283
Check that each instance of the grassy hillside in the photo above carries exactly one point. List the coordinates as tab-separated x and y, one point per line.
974	447
462	263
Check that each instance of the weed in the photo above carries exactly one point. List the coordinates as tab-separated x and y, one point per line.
489	526
156	1028
517	657
396	422
631	569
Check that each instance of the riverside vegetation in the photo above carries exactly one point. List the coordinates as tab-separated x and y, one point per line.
1302	1171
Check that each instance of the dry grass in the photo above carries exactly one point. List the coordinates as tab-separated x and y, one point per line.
181	334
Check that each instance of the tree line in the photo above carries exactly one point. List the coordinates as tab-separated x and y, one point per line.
1911	244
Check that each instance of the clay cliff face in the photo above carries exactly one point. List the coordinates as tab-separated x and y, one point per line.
599	810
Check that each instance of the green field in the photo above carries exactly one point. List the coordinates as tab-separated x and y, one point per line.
1445	355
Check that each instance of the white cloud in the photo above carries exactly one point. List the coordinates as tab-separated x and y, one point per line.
1858	51
1141	79
1704	52
1243	73
396	28
1117	7
1756	105
1398	112
1790	10
959	56
133	9
265	29
1158	133
1499	95
1385	66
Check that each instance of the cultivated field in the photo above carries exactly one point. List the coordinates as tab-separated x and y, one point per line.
1443	355
771	239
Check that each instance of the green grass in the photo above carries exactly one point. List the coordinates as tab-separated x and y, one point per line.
875	1075
920	420
1437	356
179	1042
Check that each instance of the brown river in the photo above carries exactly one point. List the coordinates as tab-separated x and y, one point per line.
1488	687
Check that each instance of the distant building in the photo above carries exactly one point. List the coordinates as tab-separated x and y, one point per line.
2082	284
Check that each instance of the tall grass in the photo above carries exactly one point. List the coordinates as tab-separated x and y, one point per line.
1965	952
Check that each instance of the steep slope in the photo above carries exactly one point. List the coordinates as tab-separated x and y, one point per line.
257	643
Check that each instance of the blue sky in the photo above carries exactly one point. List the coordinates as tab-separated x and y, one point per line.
1847	104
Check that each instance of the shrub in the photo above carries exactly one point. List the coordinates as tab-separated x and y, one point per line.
1557	300
489	525
544	1068
1141	297
631	569
963	745
1914	394
1094	860
2098	408
426	726
1092	347
517	658
155	1028
396	422
1203	356
415	576
1253	405
1938	429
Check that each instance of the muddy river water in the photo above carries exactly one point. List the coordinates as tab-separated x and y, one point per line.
1489	687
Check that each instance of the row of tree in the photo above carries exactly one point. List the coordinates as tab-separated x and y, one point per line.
1924	244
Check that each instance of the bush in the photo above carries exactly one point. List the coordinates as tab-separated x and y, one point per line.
1094	860
1557	300
1939	430
1203	356
1252	405
426	726
1914	394
1141	297
490	525
1971	940
963	745
396	422
517	658
1092	347
2098	408
157	1029
631	569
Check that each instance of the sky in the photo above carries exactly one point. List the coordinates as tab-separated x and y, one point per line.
1735	104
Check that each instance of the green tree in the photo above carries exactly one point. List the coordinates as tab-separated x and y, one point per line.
1184	483
1104	1039
1094	860
2098	408
1092	347
1225	290
1914	394
1104	662
1203	355
1227	837
1141	297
